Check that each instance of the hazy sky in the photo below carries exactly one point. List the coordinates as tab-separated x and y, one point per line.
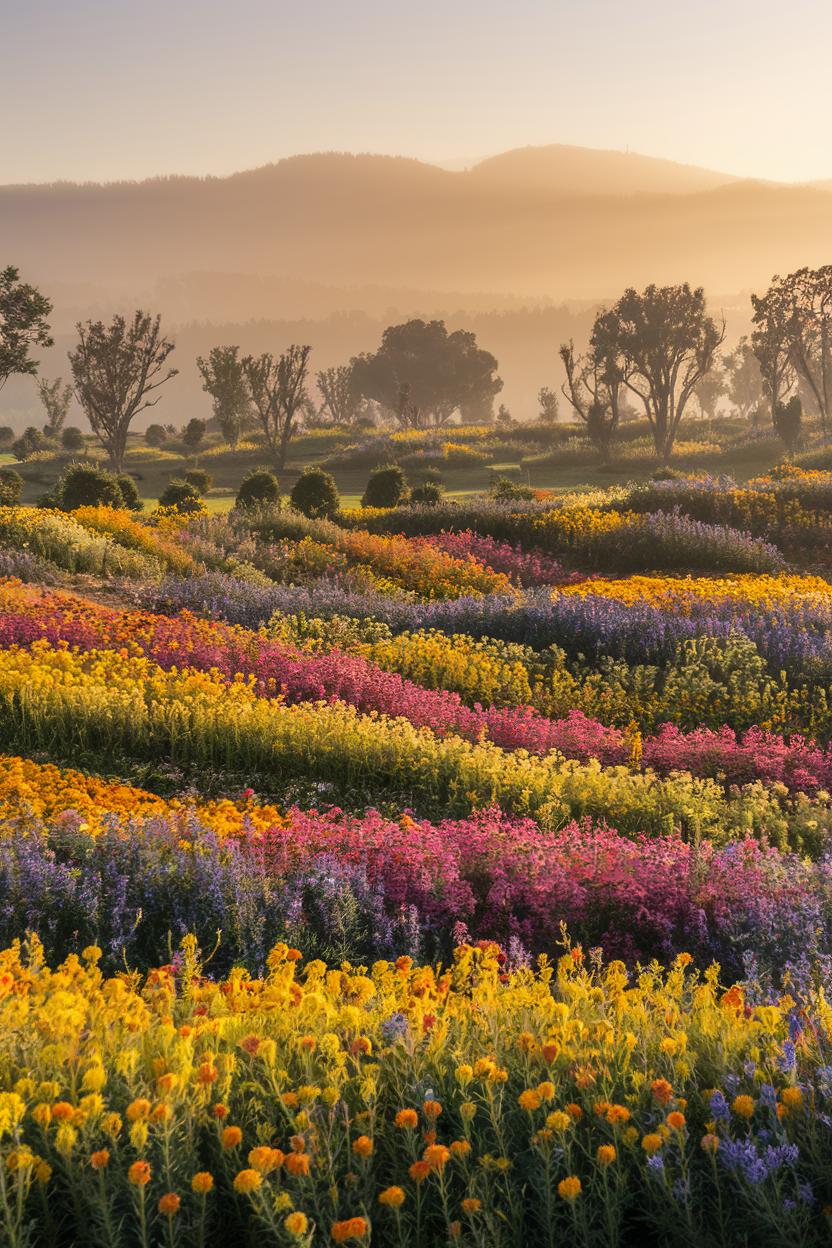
103	89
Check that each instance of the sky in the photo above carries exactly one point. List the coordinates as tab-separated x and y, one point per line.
110	89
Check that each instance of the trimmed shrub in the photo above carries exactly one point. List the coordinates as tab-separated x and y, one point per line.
429	494
11	484
155	435
199	479
181	495
87	485
129	492
315	494
387	487
72	439
257	488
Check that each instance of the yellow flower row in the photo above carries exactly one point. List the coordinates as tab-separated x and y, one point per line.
675	591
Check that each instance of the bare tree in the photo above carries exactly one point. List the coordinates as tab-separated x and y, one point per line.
408	413
593	390
224	378
278	391
116	368
56	397
662	342
341	398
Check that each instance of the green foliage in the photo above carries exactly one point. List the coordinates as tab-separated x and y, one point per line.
428	494
788	421
181	495
11	484
199	479
28	444
129	492
506	490
23	325
257	488
315	494
386	487
72	439
87	485
193	433
156	435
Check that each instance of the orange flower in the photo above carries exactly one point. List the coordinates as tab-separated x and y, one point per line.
606	1155
709	1143
169	1204
247	1181
471	1205
352	1228
363	1146
231	1137
651	1143
460	1148
792	1097
265	1159
137	1109
675	1120
407	1119
574	1111
62	1111
296	1223
100	1160
569	1188
419	1171
202	1182
139	1173
437	1156
432	1109
743	1106
297	1163
662	1091
550	1052
392	1197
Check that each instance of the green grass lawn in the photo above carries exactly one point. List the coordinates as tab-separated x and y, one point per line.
153	469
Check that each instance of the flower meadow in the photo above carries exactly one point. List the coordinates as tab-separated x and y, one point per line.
453	874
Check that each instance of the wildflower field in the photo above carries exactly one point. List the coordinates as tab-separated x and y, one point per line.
448	874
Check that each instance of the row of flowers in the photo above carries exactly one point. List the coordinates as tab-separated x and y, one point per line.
85	860
482	1103
105	703
477	670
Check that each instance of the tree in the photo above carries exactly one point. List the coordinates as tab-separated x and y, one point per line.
258	488
708	390
6	437
386	487
56	398
548	401
23	325
156	435
199	479
315	494
593	390
798	308
444	372
341	399
771	343
28	444
117	368
193	433
660	342
504	418
72	439
788	421
745	381
224	378
278	391
129	492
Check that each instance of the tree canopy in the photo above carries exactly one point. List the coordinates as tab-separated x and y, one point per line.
23	325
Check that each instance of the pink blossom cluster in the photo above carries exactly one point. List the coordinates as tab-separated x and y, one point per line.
526	566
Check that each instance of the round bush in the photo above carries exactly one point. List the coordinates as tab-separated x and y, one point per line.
11	483
87	485
199	479
315	494
386	487
129	492
428	494
181	495
72	439
258	488
155	435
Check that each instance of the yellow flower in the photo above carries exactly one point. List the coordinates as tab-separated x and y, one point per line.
529	1100
743	1106
569	1188
651	1143
202	1182
392	1197
296	1223
247	1181
792	1097
558	1120
231	1137
606	1155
